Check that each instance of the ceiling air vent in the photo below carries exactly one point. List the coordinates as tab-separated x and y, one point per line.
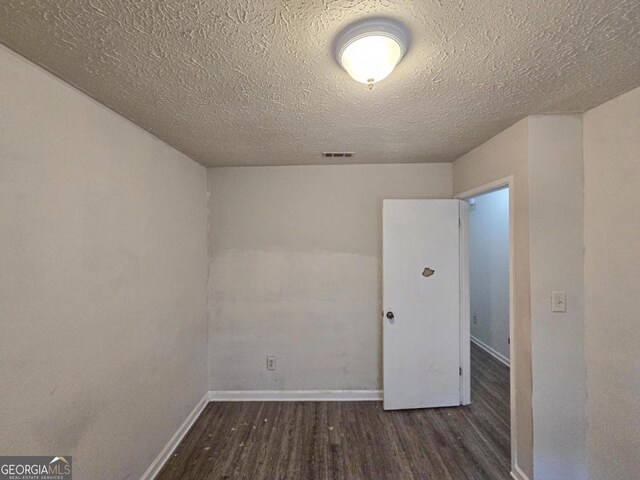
338	154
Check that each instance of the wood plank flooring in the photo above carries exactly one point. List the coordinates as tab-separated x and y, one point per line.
353	440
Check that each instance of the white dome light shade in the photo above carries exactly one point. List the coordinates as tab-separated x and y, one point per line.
369	50
371	59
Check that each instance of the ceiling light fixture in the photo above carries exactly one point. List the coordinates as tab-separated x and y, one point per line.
370	49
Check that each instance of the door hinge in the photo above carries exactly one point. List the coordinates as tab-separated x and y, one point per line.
509	340
459	223
460	370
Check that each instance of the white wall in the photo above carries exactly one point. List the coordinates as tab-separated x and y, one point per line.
504	155
544	155
103	248
296	272
489	270
557	258
612	277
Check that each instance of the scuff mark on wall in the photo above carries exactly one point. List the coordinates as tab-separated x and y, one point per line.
64	428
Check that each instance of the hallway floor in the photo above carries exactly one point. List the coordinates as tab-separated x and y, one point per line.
353	440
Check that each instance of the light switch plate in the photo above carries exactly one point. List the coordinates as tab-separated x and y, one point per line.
559	302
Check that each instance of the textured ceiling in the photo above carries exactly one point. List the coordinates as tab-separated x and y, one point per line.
254	82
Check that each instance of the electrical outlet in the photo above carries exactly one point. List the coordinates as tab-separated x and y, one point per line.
475	319
271	363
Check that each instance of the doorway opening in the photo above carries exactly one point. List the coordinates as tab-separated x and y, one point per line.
490	253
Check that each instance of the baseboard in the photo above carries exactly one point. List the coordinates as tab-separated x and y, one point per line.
175	440
294	395
518	474
495	354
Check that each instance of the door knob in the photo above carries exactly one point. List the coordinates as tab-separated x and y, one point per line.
390	315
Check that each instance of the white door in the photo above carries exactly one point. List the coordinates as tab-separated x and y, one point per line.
421	301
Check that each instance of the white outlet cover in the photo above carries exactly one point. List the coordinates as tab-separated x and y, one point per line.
271	363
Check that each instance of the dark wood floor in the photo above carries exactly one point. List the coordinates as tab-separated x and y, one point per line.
353	440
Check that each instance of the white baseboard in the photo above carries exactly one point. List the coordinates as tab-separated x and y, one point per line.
518	474
171	445
294	395
495	354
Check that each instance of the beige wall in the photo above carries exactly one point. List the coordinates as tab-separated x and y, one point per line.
296	272
557	259
504	155
102	280
612	277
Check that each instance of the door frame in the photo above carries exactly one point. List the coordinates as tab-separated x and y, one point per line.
465	305
487	188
